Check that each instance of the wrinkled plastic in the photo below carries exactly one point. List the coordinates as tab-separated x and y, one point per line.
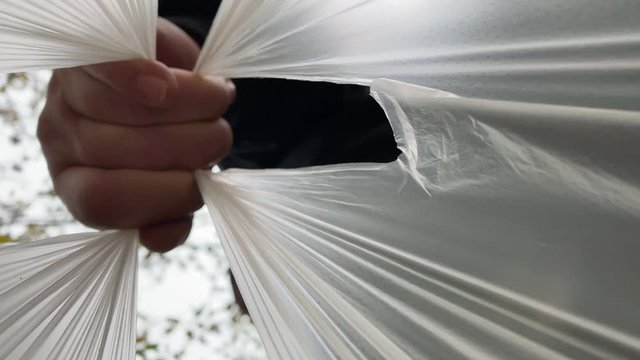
69	297
507	228
565	52
43	34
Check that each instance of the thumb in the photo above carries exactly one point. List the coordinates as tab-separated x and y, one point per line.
148	82
151	82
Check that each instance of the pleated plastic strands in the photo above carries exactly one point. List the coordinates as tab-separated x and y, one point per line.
70	297
566	52
45	34
507	229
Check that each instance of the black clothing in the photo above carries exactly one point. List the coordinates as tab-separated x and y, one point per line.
283	123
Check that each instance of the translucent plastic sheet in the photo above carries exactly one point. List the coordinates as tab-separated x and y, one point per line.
70	297
507	229
567	52
44	34
524	247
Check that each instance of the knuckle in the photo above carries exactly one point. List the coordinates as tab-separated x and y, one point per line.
214	147
88	206
232	92
227	97
78	135
201	159
92	201
49	129
45	130
226	138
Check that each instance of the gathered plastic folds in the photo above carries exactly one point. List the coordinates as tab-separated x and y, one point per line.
509	228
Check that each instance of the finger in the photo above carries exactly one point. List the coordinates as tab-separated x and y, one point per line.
127	199
188	146
151	80
175	48
146	82
197	98
53	133
166	236
68	139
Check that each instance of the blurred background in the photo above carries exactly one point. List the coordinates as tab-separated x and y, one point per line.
186	307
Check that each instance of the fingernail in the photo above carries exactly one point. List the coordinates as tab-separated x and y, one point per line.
153	89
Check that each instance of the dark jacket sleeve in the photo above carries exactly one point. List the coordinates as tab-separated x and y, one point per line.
193	16
281	123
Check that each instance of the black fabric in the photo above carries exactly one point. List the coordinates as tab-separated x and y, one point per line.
286	124
193	16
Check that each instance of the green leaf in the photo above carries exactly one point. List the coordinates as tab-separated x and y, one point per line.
5	239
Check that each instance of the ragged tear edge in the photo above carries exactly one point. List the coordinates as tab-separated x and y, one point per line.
403	131
389	94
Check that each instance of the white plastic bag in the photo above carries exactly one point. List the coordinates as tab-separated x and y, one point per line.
70	297
507	229
495	235
566	52
41	34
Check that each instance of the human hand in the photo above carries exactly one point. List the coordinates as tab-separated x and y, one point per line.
122	140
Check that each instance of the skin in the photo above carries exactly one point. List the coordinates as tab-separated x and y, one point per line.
122	139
